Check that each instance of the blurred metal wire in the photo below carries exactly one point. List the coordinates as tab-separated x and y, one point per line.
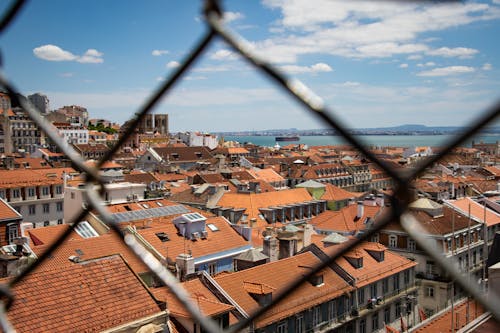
310	102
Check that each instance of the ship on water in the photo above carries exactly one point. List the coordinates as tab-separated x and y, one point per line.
287	138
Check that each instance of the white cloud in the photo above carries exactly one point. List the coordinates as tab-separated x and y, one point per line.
223	55
232	16
460	52
91	56
350	84
316	68
427	64
158	53
365	28
487	66
67	74
51	52
403	66
445	71
414	57
173	64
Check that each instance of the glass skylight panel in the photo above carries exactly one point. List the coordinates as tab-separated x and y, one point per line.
85	230
212	227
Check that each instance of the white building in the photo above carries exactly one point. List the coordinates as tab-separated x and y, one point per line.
74	196
73	134
197	139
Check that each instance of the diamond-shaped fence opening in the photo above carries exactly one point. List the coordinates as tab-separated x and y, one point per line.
312	104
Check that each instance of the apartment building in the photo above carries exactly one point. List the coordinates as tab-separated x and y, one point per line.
459	237
37	194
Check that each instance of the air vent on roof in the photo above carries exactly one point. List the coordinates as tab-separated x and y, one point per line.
162	236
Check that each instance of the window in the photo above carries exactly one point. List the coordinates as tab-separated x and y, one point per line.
411	245
45	190
60	221
316	316
332	314
12	232
212	268
72	195
58	189
393	241
361	295
17	208
16	193
429	291
375	238
362	326
2	194
31	192
430	267
46	208
385	286
406	275
375	321
32	209
373	290
395	281
387	315
282	327
450	246
59	206
397	306
46	223
299	324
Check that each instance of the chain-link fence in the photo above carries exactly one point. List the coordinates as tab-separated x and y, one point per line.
312	104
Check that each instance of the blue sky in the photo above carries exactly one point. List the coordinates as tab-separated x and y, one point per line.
373	64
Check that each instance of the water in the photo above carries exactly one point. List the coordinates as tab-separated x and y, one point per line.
369	140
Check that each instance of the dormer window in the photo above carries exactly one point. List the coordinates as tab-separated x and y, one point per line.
393	241
162	236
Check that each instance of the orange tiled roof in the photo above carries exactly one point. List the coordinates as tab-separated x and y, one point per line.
89	248
372	270
32	177
442	322
335	193
85	297
48	235
276	276
224	239
7	212
207	302
268	175
344	220
477	211
253	201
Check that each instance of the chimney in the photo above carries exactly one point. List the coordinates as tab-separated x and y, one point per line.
185	264
308	231
360	211
270	248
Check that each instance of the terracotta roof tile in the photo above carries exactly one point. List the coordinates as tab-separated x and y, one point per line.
335	193
7	212
32	177
85	297
251	202
87	249
276	276
344	220
477	211
207	302
224	239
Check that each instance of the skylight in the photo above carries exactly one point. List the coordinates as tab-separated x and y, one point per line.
85	230
212	227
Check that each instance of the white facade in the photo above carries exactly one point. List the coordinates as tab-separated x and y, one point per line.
74	196
196	139
77	135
